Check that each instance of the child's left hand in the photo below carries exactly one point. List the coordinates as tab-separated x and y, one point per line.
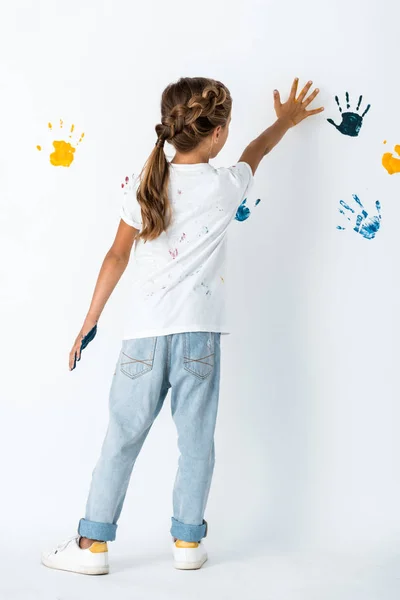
293	111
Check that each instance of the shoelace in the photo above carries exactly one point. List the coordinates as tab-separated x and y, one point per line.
63	544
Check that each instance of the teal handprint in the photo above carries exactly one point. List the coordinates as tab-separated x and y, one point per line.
243	212
364	225
351	121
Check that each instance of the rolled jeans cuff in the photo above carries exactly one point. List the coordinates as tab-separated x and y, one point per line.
104	532
188	533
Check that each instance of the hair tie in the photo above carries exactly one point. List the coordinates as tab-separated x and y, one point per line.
160	142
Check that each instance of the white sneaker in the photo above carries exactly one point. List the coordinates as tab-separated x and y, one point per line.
68	556
189	555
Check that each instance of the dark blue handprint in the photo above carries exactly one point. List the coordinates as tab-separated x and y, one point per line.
351	121
243	212
366	226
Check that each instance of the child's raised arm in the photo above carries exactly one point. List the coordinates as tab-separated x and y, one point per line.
289	114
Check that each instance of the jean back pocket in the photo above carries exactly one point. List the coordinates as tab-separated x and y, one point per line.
199	353
137	356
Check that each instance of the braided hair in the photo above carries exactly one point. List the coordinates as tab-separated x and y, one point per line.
191	109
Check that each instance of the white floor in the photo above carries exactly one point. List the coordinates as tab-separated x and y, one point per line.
250	574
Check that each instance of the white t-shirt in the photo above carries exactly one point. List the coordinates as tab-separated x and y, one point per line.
179	278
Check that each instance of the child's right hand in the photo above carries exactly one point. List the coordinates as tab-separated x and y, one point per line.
75	353
293	111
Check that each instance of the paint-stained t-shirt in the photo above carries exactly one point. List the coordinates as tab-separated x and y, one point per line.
178	280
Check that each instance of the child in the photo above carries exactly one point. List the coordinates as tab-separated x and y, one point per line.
178	216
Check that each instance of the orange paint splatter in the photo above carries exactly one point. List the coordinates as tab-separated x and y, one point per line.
390	162
63	149
384	141
63	154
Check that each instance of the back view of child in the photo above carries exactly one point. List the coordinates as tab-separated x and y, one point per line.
178	215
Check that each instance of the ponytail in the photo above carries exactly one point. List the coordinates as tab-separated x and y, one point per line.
152	194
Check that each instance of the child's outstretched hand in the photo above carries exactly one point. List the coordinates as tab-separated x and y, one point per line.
294	109
291	113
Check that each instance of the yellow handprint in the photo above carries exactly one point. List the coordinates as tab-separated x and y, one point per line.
63	154
391	162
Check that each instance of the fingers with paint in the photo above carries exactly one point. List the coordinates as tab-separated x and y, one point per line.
358	218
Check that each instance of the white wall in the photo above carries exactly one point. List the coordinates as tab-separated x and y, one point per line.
307	440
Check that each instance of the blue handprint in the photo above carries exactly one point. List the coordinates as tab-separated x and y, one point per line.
366	226
351	121
243	212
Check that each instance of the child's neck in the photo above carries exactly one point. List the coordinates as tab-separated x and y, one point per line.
189	158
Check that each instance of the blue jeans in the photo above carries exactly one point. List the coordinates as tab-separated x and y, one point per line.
189	364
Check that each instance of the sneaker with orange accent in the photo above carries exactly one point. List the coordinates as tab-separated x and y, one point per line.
189	555
68	556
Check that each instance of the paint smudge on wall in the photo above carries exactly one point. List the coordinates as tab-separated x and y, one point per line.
351	121
63	150
174	253
390	162
364	225
244	212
